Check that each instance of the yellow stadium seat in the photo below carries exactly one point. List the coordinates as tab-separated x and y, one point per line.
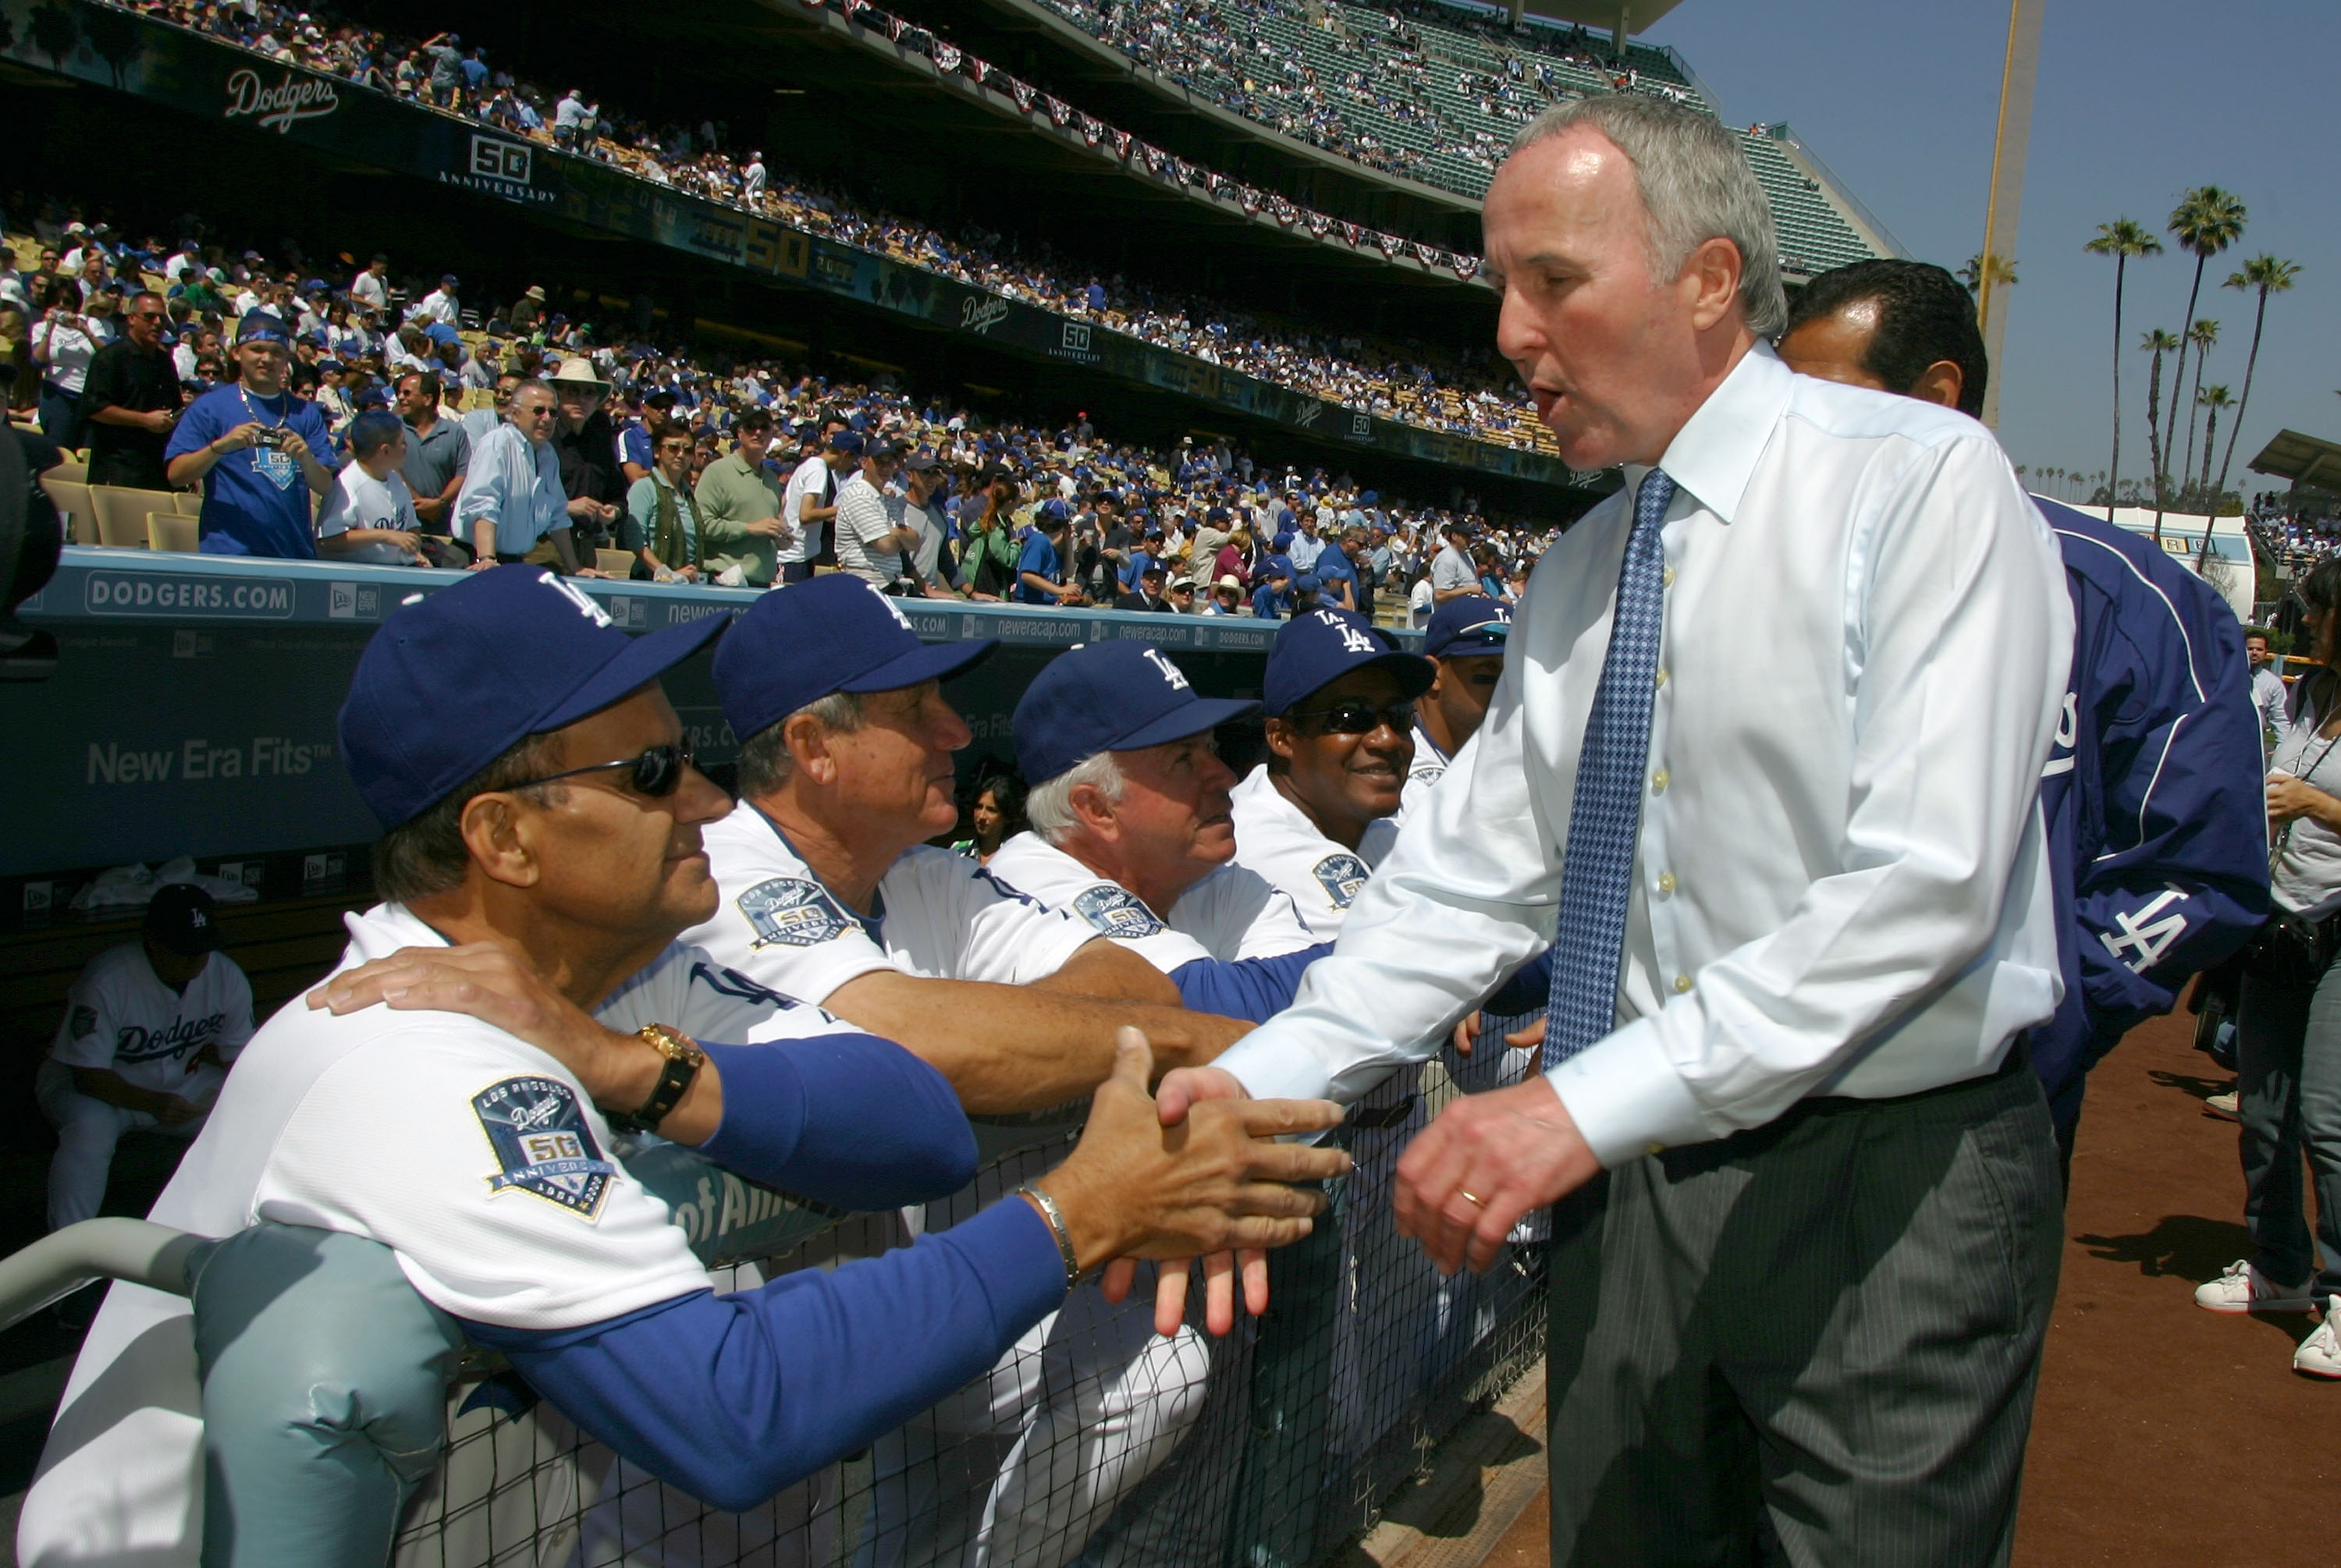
174	532
121	513
191	502
71	497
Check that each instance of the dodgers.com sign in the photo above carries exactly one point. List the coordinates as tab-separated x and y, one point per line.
151	593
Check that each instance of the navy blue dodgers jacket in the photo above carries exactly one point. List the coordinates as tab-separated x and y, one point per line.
2154	793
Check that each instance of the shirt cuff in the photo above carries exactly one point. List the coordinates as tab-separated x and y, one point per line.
1271	1066
1626	1097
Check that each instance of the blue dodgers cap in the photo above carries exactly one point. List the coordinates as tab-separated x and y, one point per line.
847	442
1108	696
1471	624
1317	646
263	326
408	746
828	634
1308	582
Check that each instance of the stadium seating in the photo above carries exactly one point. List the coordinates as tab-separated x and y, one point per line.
1427	92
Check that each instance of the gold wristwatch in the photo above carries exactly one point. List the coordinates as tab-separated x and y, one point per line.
684	1060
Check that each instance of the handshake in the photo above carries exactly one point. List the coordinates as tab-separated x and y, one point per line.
1166	1181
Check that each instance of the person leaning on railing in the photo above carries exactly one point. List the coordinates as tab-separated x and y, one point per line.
542	850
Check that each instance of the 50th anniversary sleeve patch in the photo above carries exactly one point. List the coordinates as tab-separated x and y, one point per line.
1341	876
1116	911
793	910
542	1144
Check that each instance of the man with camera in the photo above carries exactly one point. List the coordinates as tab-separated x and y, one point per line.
130	399
253	447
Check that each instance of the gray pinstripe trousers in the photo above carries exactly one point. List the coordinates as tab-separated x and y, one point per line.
1814	1343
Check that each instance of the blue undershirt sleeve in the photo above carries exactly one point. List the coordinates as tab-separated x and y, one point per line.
733	1397
851	1120
1253	988
1529	988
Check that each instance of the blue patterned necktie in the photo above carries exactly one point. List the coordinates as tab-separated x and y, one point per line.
1605	816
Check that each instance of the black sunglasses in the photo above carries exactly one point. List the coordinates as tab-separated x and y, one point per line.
1355	716
658	772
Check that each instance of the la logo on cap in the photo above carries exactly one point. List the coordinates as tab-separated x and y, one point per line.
1171	672
576	596
892	609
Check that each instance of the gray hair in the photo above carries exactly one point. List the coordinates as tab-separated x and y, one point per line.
1695	185
531	383
765	760
1050	806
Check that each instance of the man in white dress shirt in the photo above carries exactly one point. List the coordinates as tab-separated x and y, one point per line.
1801	1279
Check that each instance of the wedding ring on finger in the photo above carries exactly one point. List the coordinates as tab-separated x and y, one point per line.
1474	1199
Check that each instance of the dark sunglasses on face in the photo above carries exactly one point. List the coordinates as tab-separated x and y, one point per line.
658	772
1355	716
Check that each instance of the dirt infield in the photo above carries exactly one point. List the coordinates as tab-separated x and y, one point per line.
2164	1434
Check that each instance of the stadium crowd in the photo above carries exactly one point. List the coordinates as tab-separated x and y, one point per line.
1412	383
1938	910
1244	60
1218	532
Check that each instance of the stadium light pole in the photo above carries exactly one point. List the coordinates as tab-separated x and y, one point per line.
2012	135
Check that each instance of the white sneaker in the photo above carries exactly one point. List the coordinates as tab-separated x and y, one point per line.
2223	1106
2244	1288
2319	1354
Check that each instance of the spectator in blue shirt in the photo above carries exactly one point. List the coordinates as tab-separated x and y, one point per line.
1040	566
256	450
1273	600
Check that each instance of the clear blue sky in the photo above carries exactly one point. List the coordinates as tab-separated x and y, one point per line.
2138	100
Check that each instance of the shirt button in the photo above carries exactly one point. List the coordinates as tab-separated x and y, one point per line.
1667	577
1666	883
1654	1148
1662	675
1682	984
1659	781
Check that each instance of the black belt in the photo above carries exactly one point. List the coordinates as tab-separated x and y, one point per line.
503	559
2017	1060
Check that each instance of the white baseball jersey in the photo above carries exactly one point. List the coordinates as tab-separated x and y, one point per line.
119	1016
1275	840
476	1158
936	914
1429	766
1229	914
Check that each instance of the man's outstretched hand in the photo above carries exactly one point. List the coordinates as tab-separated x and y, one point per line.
1181	1091
1485	1161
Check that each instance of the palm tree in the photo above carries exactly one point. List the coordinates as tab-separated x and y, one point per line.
2213	399
2202	337
2157	342
2207	221
2003	272
2269	276
2122	239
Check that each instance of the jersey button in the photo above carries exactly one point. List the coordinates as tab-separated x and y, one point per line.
1682	984
1666	883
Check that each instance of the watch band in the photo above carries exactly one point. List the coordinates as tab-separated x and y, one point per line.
1056	1218
684	1060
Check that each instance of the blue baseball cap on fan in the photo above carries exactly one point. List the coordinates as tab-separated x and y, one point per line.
1317	646
263	326
1470	624
1108	696
830	634
408	747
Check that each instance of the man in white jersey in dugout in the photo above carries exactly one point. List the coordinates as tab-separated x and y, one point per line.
830	893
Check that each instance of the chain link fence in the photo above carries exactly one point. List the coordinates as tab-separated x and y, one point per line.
1094	1441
